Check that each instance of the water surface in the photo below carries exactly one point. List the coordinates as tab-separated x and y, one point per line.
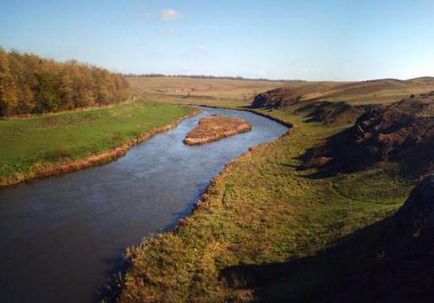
61	237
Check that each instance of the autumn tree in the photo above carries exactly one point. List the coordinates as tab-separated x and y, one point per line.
8	91
30	84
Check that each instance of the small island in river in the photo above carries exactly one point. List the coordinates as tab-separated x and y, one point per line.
216	127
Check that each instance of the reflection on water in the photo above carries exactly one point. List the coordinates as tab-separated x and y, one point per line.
61	236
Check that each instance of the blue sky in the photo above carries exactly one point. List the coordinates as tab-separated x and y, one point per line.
292	39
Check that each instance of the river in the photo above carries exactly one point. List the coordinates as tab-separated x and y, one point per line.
62	237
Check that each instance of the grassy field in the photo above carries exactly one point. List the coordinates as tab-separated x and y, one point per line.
230	93
184	90
52	138
261	210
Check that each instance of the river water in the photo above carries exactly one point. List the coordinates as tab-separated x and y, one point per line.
62	237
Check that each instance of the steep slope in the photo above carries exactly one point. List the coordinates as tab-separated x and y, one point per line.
401	268
401	133
316	111
390	261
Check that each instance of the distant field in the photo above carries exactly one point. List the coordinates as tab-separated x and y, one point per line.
186	90
228	92
71	135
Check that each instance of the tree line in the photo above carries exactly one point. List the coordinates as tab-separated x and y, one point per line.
31	84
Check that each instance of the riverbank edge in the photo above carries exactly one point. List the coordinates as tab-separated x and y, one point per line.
56	169
115	287
204	196
226	169
251	110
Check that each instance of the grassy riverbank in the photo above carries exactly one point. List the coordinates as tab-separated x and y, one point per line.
30	144
261	210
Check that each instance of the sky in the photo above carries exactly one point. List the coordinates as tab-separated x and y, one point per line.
287	39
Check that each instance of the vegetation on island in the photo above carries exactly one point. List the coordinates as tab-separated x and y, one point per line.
216	127
31	84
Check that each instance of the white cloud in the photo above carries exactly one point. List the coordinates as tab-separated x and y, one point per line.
170	14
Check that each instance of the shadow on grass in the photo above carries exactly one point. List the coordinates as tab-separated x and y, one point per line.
339	153
307	279
379	263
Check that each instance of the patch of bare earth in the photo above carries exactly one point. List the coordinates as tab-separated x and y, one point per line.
215	127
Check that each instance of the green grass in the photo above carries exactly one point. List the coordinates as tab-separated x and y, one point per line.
74	135
261	210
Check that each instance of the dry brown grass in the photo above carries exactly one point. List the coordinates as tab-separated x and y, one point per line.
216	127
216	92
363	92
235	93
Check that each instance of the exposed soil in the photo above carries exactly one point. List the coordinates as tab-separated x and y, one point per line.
315	111
338	113
275	98
402	132
216	127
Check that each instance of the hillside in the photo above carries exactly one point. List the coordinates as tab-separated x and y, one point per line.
240	92
389	261
401	133
365	92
